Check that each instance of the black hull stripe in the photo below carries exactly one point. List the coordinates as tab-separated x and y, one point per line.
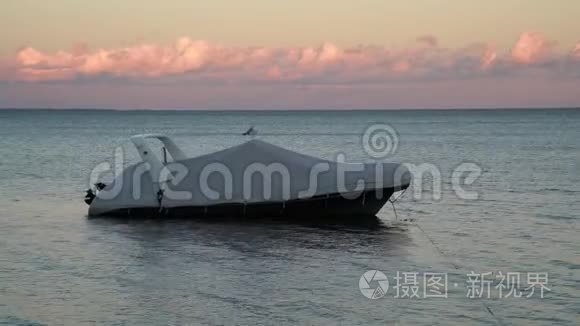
367	203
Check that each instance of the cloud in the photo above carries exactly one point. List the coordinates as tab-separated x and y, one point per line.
531	48
187	60
428	40
576	51
488	58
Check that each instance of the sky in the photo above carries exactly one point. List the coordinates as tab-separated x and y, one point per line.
300	54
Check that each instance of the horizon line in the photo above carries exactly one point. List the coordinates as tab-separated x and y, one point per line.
290	109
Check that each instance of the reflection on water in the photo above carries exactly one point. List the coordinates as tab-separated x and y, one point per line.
258	236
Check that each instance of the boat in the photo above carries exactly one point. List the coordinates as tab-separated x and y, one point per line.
255	179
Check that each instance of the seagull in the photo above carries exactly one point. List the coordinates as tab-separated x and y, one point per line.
250	132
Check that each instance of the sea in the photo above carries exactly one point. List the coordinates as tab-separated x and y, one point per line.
489	236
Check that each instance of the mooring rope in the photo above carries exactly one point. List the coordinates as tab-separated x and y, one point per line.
210	133
457	267
443	254
392	201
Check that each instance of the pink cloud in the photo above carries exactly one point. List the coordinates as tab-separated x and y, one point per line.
200	58
576	51
201	61
401	66
531	48
488	58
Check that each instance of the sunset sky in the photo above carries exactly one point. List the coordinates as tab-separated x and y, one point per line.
264	54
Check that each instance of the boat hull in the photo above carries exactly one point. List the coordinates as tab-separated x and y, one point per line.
366	203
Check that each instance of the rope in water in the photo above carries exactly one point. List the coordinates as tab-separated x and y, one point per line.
392	201
443	254
268	134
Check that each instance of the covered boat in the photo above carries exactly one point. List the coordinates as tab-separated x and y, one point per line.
254	179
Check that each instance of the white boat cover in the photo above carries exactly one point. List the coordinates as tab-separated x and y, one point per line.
240	175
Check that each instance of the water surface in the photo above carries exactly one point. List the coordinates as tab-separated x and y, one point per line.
59	267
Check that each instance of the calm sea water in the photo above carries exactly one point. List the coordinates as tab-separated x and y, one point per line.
59	267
